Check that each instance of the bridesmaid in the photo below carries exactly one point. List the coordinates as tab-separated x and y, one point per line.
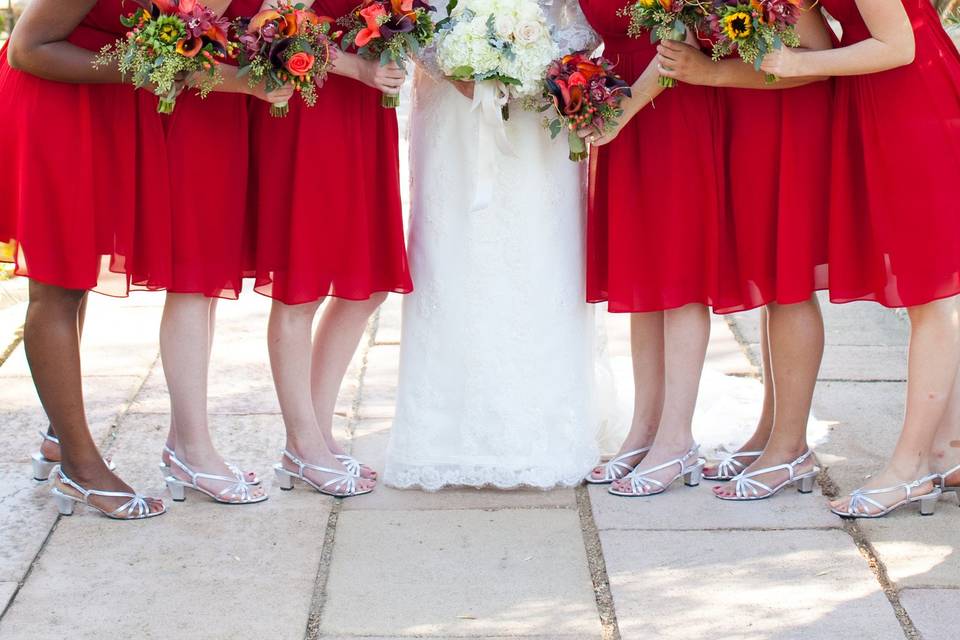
330	228
651	227
894	220
774	255
209	254
69	204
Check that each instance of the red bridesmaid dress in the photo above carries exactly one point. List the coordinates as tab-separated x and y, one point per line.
777	172
655	196
73	204
211	238
326	187
895	213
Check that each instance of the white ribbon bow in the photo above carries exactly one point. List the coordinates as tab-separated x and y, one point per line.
489	98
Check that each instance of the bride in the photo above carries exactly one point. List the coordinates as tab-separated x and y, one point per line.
497	359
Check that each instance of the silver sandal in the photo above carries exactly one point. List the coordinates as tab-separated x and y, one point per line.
861	502
641	485
253	482
731	466
136	508
746	488
616	468
237	490
354	466
342	485
944	487
42	467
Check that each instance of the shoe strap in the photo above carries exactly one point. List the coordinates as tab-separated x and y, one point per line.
135	507
948	472
731	465
746	486
616	468
861	497
353	466
49	438
343	483
238	489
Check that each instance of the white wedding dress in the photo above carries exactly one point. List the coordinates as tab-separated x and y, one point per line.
497	372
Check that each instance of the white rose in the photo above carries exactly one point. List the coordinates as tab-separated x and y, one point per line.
505	24
528	32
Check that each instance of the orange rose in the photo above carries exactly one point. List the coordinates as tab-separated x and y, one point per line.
300	64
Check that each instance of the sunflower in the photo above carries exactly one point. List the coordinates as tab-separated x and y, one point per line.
738	26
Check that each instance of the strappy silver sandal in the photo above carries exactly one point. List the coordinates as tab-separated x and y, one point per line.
42	467
342	485
616	468
690	468
747	488
254	481
944	487
136	508
237	490
731	466
861	502
354	467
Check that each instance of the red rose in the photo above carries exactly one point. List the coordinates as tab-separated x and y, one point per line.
300	64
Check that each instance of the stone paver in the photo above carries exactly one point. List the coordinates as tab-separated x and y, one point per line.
26	515
7	589
746	585
460	573
935	612
919	551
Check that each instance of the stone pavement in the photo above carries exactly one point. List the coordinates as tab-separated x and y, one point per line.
566	564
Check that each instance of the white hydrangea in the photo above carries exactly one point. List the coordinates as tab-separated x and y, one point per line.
522	45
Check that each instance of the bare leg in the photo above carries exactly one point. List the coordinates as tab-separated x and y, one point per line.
290	346
185	352
51	450
51	339
758	440
946	444
342	324
931	377
646	344
796	350
686	333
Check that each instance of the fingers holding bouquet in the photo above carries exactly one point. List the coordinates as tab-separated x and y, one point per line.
684	62
388	78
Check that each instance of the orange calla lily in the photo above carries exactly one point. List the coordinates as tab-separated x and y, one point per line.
262	18
189	47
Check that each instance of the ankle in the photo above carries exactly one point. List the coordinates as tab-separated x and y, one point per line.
908	470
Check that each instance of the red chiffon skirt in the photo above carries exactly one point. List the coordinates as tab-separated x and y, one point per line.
326	188
655	197
895	212
209	247
73	211
773	244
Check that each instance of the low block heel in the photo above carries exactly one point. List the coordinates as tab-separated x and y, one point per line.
806	484
177	491
693	477
928	504
42	467
284	479
64	504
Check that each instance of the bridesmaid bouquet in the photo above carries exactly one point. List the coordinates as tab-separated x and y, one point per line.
663	20
506	42
169	39
586	94
287	45
753	28
389	31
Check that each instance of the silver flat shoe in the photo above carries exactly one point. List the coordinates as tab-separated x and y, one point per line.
861	502
42	467
616	468
342	485
67	494
747	488
689	467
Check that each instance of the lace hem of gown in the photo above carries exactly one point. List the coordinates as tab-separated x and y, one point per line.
438	476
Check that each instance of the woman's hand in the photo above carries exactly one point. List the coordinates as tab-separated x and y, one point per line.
387	78
685	63
595	139
464	87
783	63
277	96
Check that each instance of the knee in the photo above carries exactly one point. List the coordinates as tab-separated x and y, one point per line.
49	298
944	312
288	317
375	300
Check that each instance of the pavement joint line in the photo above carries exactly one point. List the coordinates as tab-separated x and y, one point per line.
597	565
33	562
319	598
724	529
121	415
12	346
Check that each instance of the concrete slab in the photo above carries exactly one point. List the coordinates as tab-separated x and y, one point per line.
695	508
746	585
934	612
370	446
460	573
7	589
379	393
221	572
234	388
388	326
26	515
918	551
23	417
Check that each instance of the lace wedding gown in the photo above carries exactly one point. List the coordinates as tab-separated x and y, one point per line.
497	373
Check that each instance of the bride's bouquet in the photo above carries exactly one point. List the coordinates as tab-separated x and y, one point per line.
664	20
504	42
169	39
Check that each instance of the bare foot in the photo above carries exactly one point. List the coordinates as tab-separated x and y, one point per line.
645	481
319	455
99	478
772	479
230	489
250	477
886	479
621	464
